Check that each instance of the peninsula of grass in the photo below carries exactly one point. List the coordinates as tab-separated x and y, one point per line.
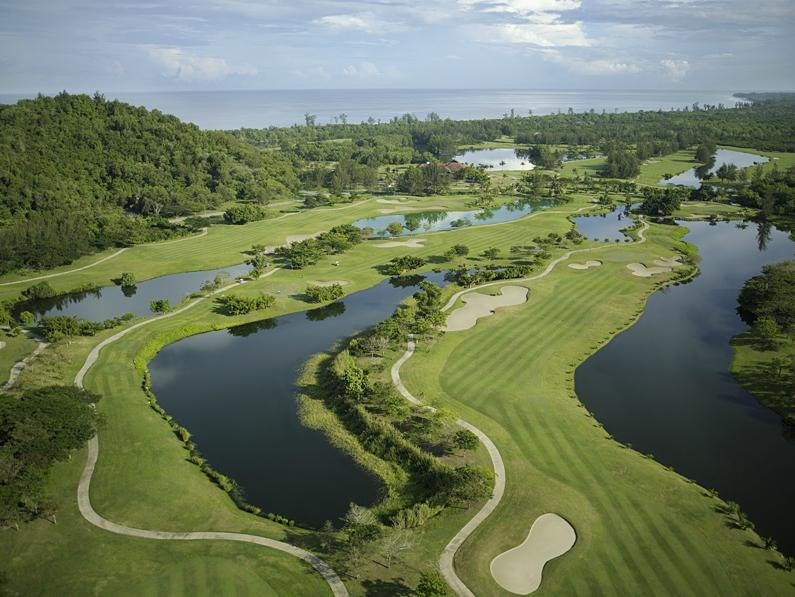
766	372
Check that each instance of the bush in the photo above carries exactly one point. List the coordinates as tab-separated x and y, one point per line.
41	290
242	214
400	265
465	440
127	279
233	304
322	294
160	306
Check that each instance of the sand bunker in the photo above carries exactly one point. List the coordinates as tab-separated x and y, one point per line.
412	243
297	238
519	569
328	282
2	345
586	265
661	266
477	305
392	201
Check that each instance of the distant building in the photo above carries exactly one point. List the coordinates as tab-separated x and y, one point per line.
454	166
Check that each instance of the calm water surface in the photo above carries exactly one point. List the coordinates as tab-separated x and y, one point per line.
495	159
664	384
112	301
235	391
260	108
605	226
692	178
437	221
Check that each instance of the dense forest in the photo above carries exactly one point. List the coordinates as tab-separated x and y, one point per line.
78	174
767	123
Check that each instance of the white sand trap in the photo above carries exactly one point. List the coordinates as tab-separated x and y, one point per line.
297	238
412	243
519	569
661	266
328	282
586	265
393	201
477	305
2	345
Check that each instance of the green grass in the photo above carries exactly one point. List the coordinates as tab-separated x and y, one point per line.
642	530
654	169
751	367
16	348
561	460
593	167
142	477
697	210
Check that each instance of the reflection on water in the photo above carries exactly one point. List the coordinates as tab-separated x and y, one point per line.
693	177
605	226
111	301
235	391
496	159
664	384
436	221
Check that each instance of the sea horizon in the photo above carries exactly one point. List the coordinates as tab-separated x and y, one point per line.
255	108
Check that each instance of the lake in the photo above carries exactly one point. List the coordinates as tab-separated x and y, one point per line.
436	221
692	178
264	108
495	159
664	384
111	301
605	226
235	391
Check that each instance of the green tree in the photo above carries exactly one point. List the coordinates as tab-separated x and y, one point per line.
160	306
465	440
127	279
432	584
395	229
27	318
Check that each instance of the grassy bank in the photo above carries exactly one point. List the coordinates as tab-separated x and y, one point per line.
766	373
15	349
641	528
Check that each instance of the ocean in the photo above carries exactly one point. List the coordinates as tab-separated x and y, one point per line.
261	109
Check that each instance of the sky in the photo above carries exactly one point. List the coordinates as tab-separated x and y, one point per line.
150	45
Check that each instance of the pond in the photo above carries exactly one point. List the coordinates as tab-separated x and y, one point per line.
111	301
235	391
605	226
664	384
692	178
495	159
437	221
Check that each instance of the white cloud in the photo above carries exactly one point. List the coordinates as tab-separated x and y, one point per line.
597	66
675	69
365	22
543	35
186	66
362	69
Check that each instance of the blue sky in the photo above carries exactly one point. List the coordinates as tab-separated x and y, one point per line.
111	45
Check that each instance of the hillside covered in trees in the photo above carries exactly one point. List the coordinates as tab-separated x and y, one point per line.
79	174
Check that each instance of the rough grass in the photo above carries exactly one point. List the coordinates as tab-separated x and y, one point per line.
653	169
16	348
642	530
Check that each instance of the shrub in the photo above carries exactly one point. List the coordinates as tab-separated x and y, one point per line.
160	306
39	291
233	304
242	214
465	440
322	294
127	279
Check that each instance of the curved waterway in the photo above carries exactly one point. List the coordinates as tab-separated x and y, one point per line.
111	301
436	221
235	391
664	384
606	226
